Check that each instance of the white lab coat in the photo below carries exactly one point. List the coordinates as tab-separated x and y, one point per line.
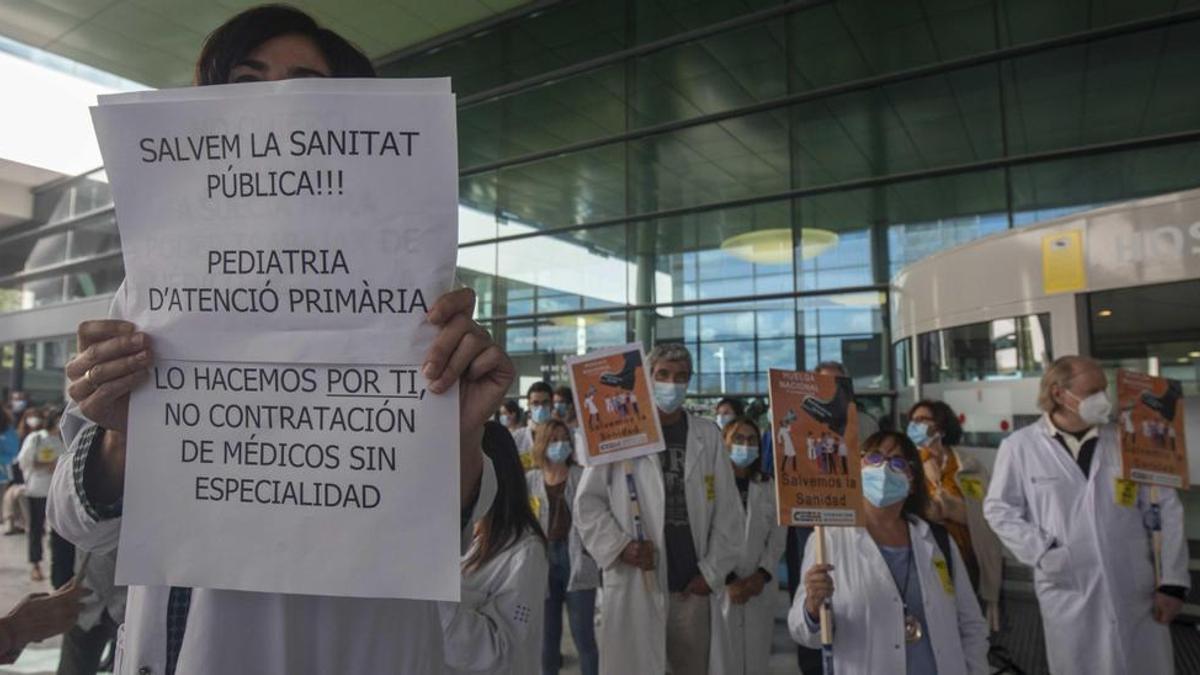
632	636
750	627
1095	586
497	628
868	615
585	574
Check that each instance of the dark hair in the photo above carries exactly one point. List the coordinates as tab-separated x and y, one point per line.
5	420
51	414
945	419
512	407
739	408
233	40
565	392
539	386
917	502
510	517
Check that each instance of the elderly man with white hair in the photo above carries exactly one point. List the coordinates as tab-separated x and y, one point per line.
1058	501
692	518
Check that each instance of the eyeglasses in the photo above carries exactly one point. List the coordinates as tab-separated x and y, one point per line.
894	463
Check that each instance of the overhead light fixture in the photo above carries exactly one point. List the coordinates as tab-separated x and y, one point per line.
774	246
1182	359
1104	313
1194	355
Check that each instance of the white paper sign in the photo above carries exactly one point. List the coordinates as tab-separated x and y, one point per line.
282	245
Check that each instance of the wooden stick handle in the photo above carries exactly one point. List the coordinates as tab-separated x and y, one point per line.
1156	536
826	614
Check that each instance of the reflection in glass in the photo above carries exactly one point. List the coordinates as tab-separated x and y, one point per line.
1003	349
847	328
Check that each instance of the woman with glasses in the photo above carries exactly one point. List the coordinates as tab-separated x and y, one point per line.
903	601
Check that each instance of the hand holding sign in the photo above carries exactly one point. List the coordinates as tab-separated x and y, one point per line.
112	359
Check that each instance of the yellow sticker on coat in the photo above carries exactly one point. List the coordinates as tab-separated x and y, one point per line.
535	505
972	488
943	572
1125	493
710	487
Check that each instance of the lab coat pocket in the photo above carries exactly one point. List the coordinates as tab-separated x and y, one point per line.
1055	568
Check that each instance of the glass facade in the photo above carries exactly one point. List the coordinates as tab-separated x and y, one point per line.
745	177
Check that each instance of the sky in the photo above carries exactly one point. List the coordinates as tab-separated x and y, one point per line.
44	100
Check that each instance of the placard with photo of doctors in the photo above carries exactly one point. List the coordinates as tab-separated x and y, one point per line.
1151	425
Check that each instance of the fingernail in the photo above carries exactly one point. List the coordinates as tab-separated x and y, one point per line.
127	328
139	339
143	356
428	370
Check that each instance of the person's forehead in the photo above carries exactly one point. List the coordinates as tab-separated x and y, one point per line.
922	413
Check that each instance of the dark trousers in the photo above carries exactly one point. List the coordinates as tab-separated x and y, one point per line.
62	560
82	649
809	660
581	608
36	528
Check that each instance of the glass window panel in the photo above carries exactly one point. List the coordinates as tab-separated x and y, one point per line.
855	39
579	108
584	269
732	159
44	364
714	254
1068	185
1064	98
96	237
1002	349
721	72
538	347
1032	20
581	187
939	120
543	41
834	246
726	344
95	278
658	19
847	328
927	216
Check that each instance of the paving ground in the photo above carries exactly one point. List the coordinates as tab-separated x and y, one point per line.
14	585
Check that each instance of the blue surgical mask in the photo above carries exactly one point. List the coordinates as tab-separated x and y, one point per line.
723	420
560	409
540	414
558	451
505	420
883	486
918	433
743	456
669	396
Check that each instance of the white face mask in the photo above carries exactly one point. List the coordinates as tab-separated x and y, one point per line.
1094	409
34	422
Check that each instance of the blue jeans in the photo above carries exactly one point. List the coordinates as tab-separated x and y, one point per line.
581	609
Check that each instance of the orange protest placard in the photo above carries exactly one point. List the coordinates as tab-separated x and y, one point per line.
617	416
1151	426
815	431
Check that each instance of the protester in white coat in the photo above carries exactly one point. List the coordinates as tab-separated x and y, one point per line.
203	631
574	576
540	400
650	618
903	602
750	599
1055	502
497	627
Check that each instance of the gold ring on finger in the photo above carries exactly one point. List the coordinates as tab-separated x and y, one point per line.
88	376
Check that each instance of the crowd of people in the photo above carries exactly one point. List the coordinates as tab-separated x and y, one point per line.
669	562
